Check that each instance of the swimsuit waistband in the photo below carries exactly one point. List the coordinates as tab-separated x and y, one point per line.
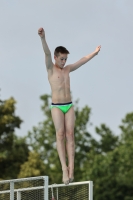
61	103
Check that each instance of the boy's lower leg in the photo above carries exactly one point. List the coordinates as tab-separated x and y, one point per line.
62	155
70	146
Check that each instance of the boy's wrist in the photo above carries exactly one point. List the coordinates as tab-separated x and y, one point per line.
42	37
95	53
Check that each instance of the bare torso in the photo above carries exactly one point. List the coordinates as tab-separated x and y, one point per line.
60	85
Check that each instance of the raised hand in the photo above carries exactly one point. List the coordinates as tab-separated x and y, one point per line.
98	49
41	32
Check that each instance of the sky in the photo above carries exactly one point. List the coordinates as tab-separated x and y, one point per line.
105	83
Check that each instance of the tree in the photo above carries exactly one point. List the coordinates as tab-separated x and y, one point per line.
13	150
112	171
8	123
33	167
108	141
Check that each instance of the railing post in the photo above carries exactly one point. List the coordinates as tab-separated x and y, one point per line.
90	190
11	190
18	195
46	187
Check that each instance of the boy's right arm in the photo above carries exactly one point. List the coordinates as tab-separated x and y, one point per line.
48	58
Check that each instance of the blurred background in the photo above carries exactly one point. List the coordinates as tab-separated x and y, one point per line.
102	91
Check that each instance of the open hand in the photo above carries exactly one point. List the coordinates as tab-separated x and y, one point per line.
98	49
41	32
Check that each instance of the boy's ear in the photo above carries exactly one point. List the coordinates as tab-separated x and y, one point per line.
55	57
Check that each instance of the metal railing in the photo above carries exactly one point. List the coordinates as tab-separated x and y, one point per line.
76	190
37	188
12	191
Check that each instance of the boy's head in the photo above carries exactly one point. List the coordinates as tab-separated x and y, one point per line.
61	50
60	56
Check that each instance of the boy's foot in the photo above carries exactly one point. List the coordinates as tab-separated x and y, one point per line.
65	176
71	177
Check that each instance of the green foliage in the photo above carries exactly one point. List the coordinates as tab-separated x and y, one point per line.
8	122
108	141
127	128
33	167
107	161
112	172
13	150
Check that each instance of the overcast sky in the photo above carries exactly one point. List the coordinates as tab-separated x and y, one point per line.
105	83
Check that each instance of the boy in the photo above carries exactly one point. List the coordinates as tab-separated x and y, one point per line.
62	108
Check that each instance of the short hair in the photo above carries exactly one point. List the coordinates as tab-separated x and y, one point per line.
60	49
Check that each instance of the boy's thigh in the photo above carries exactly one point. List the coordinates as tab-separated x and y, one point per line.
58	119
70	120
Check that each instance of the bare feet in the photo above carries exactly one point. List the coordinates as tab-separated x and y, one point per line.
65	176
71	177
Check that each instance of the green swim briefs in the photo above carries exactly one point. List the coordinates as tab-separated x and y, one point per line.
64	107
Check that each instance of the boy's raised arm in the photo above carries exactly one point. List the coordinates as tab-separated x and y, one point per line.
84	60
48	58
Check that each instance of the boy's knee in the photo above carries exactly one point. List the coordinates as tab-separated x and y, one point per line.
70	134
60	134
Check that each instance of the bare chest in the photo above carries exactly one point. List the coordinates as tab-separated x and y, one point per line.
60	76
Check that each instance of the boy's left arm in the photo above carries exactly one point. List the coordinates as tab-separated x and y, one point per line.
84	60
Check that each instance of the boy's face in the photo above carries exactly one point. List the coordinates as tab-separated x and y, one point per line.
60	60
